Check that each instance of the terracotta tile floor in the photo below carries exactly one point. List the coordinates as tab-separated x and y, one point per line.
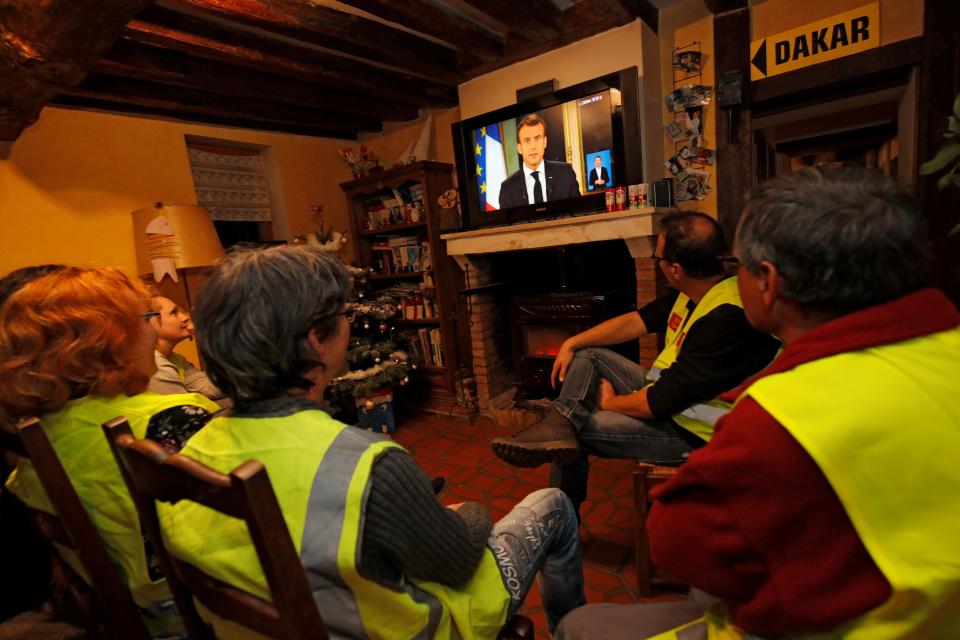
459	451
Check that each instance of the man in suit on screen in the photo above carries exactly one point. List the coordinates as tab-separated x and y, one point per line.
538	180
599	178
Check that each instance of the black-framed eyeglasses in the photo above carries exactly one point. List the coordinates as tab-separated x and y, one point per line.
656	258
350	313
150	314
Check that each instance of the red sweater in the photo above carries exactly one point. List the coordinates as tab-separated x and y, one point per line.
751	519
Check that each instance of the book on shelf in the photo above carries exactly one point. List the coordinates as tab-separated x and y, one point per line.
389	207
427	345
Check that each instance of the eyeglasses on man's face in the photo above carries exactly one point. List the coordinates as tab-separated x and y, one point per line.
350	313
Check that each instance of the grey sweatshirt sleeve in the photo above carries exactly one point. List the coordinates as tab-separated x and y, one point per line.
407	531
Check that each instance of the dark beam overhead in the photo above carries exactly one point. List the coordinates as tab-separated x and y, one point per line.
192	101
532	20
336	31
45	46
723	6
138	61
118	106
194	37
476	43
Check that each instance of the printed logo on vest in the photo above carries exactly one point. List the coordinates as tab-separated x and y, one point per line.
675	321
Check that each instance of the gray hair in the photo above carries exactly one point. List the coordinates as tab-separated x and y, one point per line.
843	239
255	311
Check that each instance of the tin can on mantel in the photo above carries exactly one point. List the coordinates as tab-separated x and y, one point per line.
611	199
621	198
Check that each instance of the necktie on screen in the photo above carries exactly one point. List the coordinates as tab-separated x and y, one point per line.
537	187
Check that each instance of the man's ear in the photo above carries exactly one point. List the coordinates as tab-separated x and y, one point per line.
770	283
318	347
519	148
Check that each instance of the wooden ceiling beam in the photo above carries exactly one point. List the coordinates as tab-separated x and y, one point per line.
476	44
85	103
338	32
532	20
723	6
138	61
191	101
45	46
202	40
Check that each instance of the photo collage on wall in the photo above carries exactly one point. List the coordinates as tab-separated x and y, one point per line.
686	104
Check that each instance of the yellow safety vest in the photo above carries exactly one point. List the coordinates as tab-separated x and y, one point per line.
320	471
883	424
77	437
702	417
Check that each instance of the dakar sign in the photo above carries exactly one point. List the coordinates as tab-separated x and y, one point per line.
828	39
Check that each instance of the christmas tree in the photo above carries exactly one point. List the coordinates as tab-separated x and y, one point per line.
377	354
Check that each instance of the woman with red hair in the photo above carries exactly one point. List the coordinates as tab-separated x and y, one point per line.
76	349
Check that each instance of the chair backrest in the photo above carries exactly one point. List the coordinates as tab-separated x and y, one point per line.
153	473
71	528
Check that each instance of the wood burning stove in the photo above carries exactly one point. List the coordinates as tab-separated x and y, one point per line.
540	323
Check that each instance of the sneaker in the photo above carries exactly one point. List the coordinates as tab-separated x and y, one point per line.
552	439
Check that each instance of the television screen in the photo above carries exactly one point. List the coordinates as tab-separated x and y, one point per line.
569	145
579	141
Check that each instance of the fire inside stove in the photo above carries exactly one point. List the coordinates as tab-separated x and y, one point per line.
544	342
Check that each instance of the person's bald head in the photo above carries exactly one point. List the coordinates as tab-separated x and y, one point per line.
695	241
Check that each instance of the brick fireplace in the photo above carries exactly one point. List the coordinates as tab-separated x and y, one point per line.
476	253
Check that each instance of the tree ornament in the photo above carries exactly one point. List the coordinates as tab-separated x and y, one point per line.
413	366
366	325
405	380
383	326
377	359
360	294
368	404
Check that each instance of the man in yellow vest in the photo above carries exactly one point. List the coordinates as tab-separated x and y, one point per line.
612	407
827	501
384	558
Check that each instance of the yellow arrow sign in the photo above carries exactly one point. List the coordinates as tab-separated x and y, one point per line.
835	37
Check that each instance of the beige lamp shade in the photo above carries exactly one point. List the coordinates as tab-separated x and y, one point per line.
169	237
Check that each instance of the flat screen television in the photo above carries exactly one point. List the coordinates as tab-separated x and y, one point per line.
593	127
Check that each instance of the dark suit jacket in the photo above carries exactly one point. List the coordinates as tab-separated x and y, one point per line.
561	183
593	178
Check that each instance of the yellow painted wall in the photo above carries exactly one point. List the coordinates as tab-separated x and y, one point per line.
681	24
899	19
72	179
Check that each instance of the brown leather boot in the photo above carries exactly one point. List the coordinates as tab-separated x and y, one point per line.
552	439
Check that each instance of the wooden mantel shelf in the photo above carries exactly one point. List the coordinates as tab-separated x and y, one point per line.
636	227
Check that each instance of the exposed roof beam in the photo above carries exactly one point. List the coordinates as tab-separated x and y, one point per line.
138	61
191	101
475	43
109	105
337	32
45	46
196	38
532	20
723	6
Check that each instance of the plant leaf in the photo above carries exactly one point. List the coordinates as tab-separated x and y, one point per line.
939	161
954	124
945	180
954	231
956	106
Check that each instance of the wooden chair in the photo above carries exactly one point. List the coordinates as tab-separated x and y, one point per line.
646	477
106	602
153	474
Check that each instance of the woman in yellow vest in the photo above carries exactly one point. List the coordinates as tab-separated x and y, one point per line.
826	505
76	349
384	558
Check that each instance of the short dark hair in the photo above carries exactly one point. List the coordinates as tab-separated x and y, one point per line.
14	280
695	241
842	238
532	120
255	311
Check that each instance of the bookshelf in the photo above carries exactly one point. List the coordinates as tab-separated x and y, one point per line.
396	223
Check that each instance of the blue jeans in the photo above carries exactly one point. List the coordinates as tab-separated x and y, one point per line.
606	433
540	535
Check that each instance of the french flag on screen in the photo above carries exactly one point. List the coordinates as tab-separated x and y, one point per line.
491	166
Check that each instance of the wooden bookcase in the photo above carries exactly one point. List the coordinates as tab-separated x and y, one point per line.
433	388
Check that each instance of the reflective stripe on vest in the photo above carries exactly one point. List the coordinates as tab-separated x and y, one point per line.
77	437
883	425
320	471
700	418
